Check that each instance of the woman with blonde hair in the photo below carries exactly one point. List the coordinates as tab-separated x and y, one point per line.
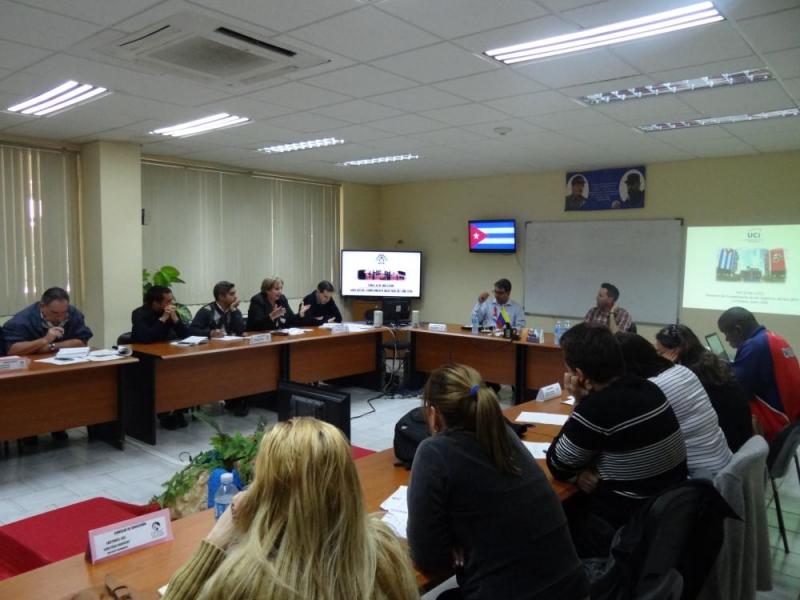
269	309
480	504
300	531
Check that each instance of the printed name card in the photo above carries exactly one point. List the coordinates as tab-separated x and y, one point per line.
126	536
437	327
260	338
10	363
548	392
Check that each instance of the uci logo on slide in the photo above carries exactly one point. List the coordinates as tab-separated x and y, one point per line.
754	235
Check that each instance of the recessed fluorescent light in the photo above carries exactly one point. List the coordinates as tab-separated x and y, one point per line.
68	94
677	87
378	160
773	114
301	146
624	31
217	121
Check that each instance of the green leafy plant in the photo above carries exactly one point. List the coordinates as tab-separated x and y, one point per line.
228	451
166	276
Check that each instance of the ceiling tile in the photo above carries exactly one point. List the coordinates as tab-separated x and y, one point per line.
499	83
718	147
453	18
518	33
306	122
361	81
713	68
358	111
648	110
776	31
592	66
793	87
16	56
248	107
101	12
534	104
379	34
785	64
419	98
743	9
774	142
333	61
253	135
782	126
298	96
358	133
606	86
281	16
611	11
407	124
569	119
465	114
34	27
739	99
454	136
609	134
709	43
435	63
519	128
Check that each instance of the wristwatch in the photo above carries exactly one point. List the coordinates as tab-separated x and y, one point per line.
52	347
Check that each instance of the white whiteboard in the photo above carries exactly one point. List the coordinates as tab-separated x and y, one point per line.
566	261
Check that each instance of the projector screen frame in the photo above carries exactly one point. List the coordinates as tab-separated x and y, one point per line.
342	293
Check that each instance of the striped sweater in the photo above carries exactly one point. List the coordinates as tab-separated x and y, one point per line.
629	434
706	448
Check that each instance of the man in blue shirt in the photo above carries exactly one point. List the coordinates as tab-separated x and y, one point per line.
501	310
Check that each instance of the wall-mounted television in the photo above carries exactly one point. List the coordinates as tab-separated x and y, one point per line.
381	273
497	235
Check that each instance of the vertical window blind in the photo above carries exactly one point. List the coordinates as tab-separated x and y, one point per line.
39	225
241	228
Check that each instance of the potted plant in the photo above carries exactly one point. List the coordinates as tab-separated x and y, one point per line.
166	276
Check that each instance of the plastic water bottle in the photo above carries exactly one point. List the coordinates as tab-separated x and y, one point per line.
557	331
225	493
475	323
567	325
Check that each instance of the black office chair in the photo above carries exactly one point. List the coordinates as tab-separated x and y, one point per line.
668	547
781	452
125	338
632	328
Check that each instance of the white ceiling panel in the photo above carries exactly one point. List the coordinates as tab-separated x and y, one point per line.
793	87
252	135
746	129
358	133
780	142
739	99
776	31
785	64
454	136
101	12
361	81
246	107
519	128
16	56
298	96
379	34
713	68
608	134
306	122
34	27
408	124
534	104
518	33
743	9
565	5
649	110
569	119
597	65
419	98
436	63
718	147
499	83
466	114
606	86
709	43
281	16
358	111
454	18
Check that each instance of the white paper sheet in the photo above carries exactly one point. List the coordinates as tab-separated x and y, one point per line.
228	338
63	361
192	340
541	417
397	502
398	522
537	449
570	400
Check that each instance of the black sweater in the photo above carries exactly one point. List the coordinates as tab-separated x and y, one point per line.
211	317
318	313
511	528
147	328
258	314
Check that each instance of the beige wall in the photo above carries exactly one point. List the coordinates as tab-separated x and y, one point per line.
432	217
111	201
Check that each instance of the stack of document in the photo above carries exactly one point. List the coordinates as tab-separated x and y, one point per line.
192	340
542	417
396	507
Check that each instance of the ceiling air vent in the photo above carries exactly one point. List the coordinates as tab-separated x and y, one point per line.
204	49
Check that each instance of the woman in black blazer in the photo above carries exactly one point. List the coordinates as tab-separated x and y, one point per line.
269	309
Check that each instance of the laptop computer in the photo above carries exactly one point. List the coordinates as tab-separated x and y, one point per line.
715	345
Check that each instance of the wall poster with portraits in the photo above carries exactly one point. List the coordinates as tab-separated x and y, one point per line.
605	189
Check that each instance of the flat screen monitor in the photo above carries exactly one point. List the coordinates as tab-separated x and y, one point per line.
396	311
323	403
716	347
493	236
381	273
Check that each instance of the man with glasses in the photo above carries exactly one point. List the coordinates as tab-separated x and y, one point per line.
500	310
43	327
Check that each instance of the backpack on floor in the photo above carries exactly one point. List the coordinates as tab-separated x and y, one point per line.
409	432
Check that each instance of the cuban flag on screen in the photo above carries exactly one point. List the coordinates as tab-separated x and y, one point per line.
492	235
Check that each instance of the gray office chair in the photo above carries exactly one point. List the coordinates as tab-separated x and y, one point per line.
781	452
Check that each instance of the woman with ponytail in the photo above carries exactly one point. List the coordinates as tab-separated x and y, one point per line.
300	531
478	502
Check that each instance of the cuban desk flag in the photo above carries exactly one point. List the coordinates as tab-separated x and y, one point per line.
492	236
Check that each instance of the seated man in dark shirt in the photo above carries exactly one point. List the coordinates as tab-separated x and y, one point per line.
322	306
622	443
221	317
46	326
157	320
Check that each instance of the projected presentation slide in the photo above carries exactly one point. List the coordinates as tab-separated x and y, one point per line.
753	266
381	274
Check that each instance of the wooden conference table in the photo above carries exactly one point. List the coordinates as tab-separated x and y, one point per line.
151	568
47	397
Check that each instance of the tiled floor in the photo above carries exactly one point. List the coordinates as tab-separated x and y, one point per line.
56	475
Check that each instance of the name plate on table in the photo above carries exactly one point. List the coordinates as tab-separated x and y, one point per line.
260	338
548	392
129	535
339	328
11	363
437	327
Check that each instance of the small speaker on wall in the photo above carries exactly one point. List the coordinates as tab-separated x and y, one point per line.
145	217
